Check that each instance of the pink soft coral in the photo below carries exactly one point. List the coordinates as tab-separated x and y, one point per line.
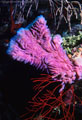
35	45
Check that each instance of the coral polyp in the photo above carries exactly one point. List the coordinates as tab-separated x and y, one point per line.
35	45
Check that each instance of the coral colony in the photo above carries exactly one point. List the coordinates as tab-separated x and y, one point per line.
35	45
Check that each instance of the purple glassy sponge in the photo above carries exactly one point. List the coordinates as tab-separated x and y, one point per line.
35	45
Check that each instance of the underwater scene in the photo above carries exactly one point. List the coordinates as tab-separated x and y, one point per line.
40	60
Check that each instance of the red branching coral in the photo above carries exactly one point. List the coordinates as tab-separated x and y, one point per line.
48	104
13	25
35	45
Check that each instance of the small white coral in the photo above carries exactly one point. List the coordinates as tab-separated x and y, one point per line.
77	59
